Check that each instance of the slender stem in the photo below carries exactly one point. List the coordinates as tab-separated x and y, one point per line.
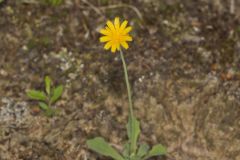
128	85
131	116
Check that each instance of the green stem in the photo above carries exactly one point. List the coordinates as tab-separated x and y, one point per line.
128	85
49	103
131	116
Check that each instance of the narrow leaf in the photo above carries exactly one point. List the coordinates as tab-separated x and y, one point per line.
133	130
48	83
43	106
57	92
157	150
36	95
126	151
143	150
100	146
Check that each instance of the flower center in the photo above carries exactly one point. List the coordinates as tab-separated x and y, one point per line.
117	38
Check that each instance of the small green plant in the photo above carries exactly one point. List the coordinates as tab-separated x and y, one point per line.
53	2
48	97
116	35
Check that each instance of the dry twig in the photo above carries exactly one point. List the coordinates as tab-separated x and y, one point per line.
93	7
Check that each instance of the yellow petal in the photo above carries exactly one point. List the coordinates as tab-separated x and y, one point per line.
105	38
125	45
108	45
127	38
127	30
118	47
114	47
106	32
111	26
123	25
117	23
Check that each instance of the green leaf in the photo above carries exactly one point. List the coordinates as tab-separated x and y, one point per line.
43	106
157	150
100	146
57	92
126	151
143	150
133	130
36	95
48	83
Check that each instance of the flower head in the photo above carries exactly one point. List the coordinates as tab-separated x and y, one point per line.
116	35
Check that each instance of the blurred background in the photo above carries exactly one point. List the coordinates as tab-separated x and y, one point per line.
184	68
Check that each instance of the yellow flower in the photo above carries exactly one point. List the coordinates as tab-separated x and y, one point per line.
116	35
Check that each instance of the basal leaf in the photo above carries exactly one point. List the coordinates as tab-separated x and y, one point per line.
36	95
100	146
57	92
156	150
143	150
43	106
126	151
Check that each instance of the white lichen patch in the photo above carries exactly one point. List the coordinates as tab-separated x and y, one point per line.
13	112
